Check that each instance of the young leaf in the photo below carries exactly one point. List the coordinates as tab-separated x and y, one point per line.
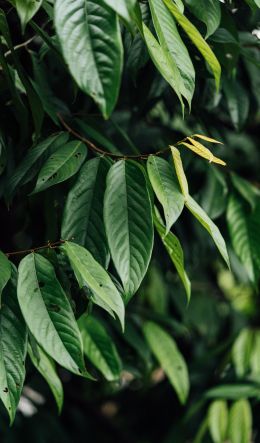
165	350
173	45
48	313
240	422
45	365
197	39
166	189
207	139
199	149
218	420
209	225
129	223
5	272
13	345
89	272
208	11
174	249
99	347
180	172
26	9
95	62
61	165
83	213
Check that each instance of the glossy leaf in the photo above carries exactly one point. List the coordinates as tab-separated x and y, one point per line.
95	62
89	272
61	165
167	353
5	272
166	189
99	347
208	11
240	422
48	313
197	39
13	347
128	222
27	9
83	212
218	420
124	8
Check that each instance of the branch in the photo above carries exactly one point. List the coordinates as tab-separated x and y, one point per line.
38	248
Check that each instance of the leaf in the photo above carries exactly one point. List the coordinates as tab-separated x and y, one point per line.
45	365
5	272
180	171
218	420
28	167
174	249
199	149
207	139
95	62
13	344
99	347
89	272
48	313
208	11
209	225
26	10
166	189
214	195
197	39
128	223
163	62
234	391
173	45
250	193
61	165
255	356
244	232
83	213
241	352
124	8
237	102
240	422
165	350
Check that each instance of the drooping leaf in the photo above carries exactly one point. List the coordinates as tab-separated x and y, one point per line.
241	352
214	195
174	249
61	165
202	151
5	272
240	422
13	347
218	420
83	212
167	353
89	272
48	313
250	193
166	189
95	62
237	102
255	355
207	139
208	11
180	171
45	365
124	8
128	222
99	347
27	9
173	45
197	39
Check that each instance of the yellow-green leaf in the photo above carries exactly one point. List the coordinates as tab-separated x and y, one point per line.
207	139
180	171
202	151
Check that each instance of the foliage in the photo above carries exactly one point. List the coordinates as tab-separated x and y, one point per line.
108	282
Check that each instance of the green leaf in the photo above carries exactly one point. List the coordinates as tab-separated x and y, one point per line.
5	272
166	189
13	346
237	102
61	165
255	356
26	10
180	171
174	249
218	420
167	353
48	313
244	231
197	39
250	193
208	11
163	62
209	225
83	213
89	272
241	352
124	8
214	195
99	347
234	391
129	223
173	45
240	422
95	62
45	365
31	163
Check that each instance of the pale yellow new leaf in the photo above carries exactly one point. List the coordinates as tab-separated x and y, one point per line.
180	171
201	150
207	139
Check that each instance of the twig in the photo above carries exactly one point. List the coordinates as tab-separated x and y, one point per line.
37	248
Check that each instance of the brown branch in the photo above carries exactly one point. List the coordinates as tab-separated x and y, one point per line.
38	248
